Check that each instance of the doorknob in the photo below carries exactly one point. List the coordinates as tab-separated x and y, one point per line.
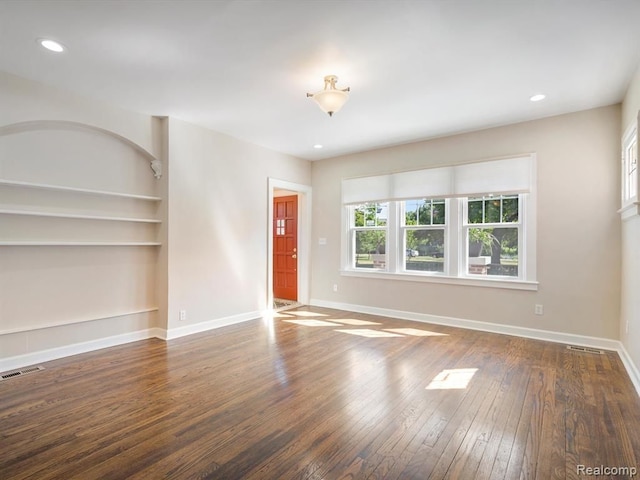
294	256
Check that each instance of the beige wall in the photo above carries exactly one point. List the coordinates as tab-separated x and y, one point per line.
578	227
631	102
630	288
218	226
23	100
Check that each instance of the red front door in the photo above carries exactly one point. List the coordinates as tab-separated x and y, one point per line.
285	247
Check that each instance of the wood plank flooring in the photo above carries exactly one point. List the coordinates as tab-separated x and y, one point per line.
322	394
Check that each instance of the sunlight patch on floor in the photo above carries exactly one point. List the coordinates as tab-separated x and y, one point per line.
454	379
416	332
367	332
273	314
313	323
353	321
305	313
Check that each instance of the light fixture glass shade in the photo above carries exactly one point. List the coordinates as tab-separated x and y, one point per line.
330	100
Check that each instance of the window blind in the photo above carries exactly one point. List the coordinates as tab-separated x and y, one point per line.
499	177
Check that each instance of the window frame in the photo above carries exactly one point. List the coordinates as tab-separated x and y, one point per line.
519	225
456	255
404	228
629	150
353	229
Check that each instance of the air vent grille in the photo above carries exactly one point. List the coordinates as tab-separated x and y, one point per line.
18	373
577	348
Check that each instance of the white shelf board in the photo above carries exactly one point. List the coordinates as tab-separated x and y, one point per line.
43	186
16	243
76	216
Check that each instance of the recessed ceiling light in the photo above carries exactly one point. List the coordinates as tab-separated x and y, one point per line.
317	146
51	45
538	97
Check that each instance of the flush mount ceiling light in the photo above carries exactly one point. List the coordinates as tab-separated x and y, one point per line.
538	97
51	45
330	99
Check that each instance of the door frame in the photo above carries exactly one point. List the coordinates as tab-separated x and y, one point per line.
304	237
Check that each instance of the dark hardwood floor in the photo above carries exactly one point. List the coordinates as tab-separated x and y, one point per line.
361	397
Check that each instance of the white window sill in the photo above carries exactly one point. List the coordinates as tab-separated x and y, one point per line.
629	210
443	279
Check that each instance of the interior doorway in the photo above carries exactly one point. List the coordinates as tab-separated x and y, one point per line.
289	227
285	248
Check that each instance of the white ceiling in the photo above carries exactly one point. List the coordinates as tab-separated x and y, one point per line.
417	68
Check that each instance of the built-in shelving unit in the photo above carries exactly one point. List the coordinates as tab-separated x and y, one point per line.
81	231
54	215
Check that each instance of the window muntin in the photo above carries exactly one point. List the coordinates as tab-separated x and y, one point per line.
368	234
424	212
493	236
490	209
423	233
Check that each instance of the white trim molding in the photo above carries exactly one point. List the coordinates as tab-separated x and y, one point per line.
629	211
73	322
536	334
631	367
32	358
208	325
495	282
20	361
304	237
629	157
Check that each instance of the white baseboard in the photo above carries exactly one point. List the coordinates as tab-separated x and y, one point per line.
547	335
209	325
631	367
20	361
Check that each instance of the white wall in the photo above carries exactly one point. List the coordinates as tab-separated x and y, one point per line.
578	227
630	288
218	225
54	299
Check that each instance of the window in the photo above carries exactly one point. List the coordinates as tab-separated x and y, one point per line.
493	235
423	233
473	224
368	234
630	166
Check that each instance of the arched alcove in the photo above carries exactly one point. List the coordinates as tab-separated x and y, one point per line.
65	125
79	235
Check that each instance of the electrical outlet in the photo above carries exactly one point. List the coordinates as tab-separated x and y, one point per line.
183	315
335	287
539	310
